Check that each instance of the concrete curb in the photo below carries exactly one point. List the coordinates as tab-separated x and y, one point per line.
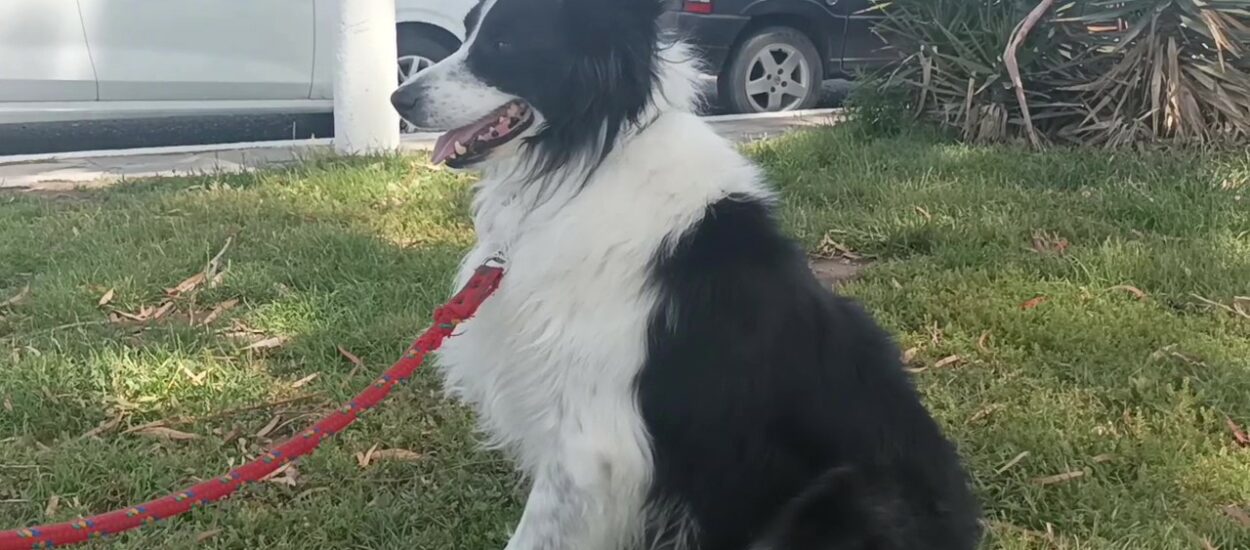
57	171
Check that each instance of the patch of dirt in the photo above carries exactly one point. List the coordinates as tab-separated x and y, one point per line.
836	272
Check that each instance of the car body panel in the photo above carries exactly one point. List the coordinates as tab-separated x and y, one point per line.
161	58
215	50
43	52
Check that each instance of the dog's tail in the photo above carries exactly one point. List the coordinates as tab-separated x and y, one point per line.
847	510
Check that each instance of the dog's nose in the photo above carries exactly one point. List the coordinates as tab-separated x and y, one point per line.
405	100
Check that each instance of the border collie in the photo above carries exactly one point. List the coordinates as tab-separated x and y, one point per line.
659	360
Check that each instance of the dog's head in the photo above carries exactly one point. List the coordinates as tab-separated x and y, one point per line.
558	80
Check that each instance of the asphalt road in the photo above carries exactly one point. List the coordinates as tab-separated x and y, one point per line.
62	137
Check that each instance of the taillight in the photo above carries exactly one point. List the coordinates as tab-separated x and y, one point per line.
697	6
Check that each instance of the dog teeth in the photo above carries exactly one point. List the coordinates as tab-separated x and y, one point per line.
460	149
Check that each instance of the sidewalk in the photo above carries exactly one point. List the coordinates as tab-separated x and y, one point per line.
99	168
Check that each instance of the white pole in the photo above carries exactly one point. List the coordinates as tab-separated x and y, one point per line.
365	76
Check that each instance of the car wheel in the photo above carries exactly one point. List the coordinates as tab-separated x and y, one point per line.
773	69
417	52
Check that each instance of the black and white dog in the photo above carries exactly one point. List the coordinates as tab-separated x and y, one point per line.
659	360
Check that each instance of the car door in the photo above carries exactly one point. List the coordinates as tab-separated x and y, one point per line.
201	49
43	54
861	47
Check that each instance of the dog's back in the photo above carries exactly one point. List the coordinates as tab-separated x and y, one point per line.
780	414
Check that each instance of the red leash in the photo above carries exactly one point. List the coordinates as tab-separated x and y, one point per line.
461	307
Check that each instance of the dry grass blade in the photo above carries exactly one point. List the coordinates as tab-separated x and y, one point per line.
397	455
267	344
218	310
207	535
1059	478
305	380
1136	292
54	505
106	426
1011	463
104	300
161	432
273	423
17	298
187	285
948	361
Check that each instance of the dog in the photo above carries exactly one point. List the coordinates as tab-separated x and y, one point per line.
659	361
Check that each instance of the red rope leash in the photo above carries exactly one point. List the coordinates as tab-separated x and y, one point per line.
461	307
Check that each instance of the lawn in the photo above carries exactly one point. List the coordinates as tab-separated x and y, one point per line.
1072	318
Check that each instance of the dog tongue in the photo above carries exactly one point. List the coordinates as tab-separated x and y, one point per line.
445	147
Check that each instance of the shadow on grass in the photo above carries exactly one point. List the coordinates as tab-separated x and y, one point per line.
328	256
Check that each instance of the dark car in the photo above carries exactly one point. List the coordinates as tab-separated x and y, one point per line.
773	55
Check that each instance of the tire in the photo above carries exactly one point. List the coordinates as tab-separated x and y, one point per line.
746	72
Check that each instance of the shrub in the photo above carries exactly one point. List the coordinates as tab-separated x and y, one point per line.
1095	72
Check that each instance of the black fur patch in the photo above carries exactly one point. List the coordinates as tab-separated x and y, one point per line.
780	412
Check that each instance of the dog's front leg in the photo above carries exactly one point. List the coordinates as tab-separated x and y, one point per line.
586	502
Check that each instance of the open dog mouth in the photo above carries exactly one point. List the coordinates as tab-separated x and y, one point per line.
469	144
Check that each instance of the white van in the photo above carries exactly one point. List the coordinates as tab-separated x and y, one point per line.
71	60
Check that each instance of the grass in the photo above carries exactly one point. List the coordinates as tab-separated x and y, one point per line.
1017	263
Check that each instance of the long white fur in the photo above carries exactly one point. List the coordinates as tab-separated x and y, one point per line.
550	361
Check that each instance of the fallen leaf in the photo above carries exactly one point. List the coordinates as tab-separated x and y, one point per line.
829	248
305	380
187	285
1206	544
1033	303
161	310
104	300
351	357
1059	478
206	535
218	310
1240	516
1239	434
1011	463
924	213
8	405
287	475
983	343
107	425
54	504
1100	459
398	455
17	298
267	343
273	423
1136	292
161	432
948	361
910	355
365	458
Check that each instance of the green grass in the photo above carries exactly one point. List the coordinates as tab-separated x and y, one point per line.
1133	393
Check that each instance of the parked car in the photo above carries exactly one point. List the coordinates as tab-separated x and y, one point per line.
69	60
773	55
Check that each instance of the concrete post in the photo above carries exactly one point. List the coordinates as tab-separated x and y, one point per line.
365	76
